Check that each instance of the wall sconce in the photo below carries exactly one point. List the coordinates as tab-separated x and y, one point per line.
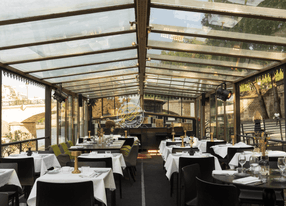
149	29
132	23
134	44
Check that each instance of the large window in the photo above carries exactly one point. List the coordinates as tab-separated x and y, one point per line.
23	113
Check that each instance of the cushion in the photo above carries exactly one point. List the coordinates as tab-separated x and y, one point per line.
56	149
70	143
66	149
136	142
125	150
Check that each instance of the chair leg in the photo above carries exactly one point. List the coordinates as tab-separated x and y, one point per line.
132	174
171	186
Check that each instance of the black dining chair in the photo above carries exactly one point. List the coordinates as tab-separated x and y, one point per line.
206	165
189	174
173	143
231	151
65	194
26	172
213	194
128	141
12	190
175	150
4	201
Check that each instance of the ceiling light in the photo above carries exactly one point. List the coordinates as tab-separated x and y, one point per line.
133	44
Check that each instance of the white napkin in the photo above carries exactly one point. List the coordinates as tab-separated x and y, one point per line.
241	144
196	142
247	180
223	172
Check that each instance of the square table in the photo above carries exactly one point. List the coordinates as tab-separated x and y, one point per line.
42	162
222	149
105	180
9	176
93	146
118	162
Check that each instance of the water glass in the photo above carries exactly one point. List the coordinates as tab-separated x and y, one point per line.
253	162
66	169
85	169
281	166
242	159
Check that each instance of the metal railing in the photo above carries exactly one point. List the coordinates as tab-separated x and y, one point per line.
24	141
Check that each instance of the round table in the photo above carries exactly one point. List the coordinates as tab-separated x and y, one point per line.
267	187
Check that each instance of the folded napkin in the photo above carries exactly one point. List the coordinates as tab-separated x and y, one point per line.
247	180
276	153
241	144
223	172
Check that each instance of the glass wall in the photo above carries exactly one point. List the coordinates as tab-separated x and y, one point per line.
62	122
75	118
69	118
213	115
54	120
23	113
175	106
188	107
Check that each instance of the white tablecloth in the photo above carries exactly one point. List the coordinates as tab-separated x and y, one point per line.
221	149
9	176
42	162
202	145
118	162
172	163
234	161
101	182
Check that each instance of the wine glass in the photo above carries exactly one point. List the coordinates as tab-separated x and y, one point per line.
281	166
242	160
253	162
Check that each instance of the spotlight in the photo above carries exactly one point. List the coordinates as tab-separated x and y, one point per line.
60	96
222	93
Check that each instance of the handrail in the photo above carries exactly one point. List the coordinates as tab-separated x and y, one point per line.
24	141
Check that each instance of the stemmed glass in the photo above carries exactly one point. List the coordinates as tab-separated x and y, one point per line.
253	162
242	160
281	166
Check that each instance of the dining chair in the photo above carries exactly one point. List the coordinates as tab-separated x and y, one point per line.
206	165
131	161
189	174
65	194
128	141
4	201
214	194
231	151
172	143
11	190
175	150
26	172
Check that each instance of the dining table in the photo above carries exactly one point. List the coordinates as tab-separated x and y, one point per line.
42	162
118	162
222	149
94	146
102	178
172	162
273	181
202	145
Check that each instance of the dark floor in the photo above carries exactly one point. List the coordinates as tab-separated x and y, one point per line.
151	189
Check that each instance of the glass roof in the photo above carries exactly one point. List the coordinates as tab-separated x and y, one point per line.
191	47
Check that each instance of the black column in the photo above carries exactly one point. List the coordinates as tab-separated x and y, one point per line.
237	111
48	119
284	70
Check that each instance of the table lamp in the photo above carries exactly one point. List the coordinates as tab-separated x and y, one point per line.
232	137
212	136
183	144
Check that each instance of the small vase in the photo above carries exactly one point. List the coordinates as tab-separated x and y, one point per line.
29	152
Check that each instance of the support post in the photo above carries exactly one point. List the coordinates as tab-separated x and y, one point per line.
236	104
48	114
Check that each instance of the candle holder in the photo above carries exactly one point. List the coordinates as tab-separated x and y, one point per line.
191	141
185	131
76	154
89	134
232	137
125	133
183	144
212	137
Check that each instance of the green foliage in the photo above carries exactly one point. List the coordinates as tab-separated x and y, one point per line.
41	120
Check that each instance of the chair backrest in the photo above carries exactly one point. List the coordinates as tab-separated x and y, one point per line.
131	159
106	160
232	150
174	150
273	162
206	165
216	194
173	143
210	144
128	141
189	174
4	199
65	194
9	166
112	151
26	169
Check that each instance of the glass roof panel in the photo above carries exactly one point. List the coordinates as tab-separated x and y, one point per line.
218	43
14	9
95	89
109	94
113	90
104	84
85	69
103	80
67	27
79	60
93	76
254	3
151	91
67	48
213	77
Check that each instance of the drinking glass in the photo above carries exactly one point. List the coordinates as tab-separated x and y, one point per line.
281	166
253	162
242	160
